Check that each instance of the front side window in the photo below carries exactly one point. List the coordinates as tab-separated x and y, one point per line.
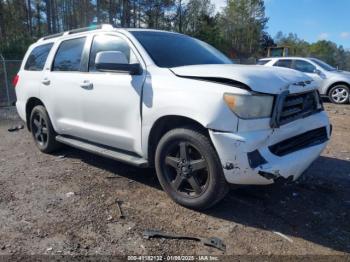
172	49
284	63
304	66
37	58
68	56
109	43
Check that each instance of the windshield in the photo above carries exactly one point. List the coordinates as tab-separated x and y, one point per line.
322	64
172	50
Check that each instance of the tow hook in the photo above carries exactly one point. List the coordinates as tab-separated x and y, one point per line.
277	178
268	175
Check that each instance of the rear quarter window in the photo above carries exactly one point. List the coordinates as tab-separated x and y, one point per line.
37	58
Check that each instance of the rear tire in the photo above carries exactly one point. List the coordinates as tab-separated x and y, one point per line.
43	133
339	94
189	169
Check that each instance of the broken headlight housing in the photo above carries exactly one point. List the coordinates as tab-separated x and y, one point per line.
248	106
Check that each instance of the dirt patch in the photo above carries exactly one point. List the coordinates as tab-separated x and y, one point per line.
65	204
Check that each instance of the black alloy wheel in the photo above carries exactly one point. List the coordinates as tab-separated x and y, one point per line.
189	169
185	169
39	129
43	133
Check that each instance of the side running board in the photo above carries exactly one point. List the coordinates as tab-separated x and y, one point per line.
115	154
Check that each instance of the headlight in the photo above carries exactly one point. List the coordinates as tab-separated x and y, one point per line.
250	106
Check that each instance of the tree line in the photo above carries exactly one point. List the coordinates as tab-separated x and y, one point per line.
239	29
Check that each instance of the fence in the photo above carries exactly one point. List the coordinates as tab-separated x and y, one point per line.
8	70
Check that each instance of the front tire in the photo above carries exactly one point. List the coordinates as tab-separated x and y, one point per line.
189	169
42	130
339	94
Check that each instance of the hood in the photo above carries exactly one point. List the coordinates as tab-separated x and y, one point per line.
341	73
264	79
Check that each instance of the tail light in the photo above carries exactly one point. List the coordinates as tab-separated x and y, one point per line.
15	80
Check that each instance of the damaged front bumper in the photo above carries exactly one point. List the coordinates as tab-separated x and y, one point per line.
271	155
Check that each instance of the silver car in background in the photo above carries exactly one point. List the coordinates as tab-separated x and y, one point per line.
332	82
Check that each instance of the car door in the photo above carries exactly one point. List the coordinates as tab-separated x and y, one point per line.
61	88
111	107
307	68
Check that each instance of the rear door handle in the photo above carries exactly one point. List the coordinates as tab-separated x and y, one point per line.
46	81
86	84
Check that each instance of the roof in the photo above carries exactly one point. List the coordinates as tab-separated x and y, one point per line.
78	30
285	57
150	30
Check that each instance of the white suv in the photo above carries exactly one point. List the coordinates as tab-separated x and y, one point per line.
331	82
155	98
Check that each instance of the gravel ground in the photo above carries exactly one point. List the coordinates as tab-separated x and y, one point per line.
66	204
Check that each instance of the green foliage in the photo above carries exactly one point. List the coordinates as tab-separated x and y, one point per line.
325	50
15	49
239	30
199	21
297	46
243	23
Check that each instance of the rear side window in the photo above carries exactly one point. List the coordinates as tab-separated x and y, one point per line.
262	62
284	63
37	58
68	56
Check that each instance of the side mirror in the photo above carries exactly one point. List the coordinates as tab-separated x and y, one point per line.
320	73
115	61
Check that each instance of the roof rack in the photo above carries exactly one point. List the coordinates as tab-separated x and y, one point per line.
79	30
51	36
90	28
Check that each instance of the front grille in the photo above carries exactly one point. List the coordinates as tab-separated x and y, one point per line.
304	140
297	106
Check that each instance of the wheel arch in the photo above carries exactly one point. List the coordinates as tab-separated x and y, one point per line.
335	84
163	125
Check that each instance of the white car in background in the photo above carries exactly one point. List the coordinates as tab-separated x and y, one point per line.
332	83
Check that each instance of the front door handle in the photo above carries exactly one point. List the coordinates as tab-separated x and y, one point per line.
86	84
46	81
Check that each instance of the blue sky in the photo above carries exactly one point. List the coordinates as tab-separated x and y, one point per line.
311	20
